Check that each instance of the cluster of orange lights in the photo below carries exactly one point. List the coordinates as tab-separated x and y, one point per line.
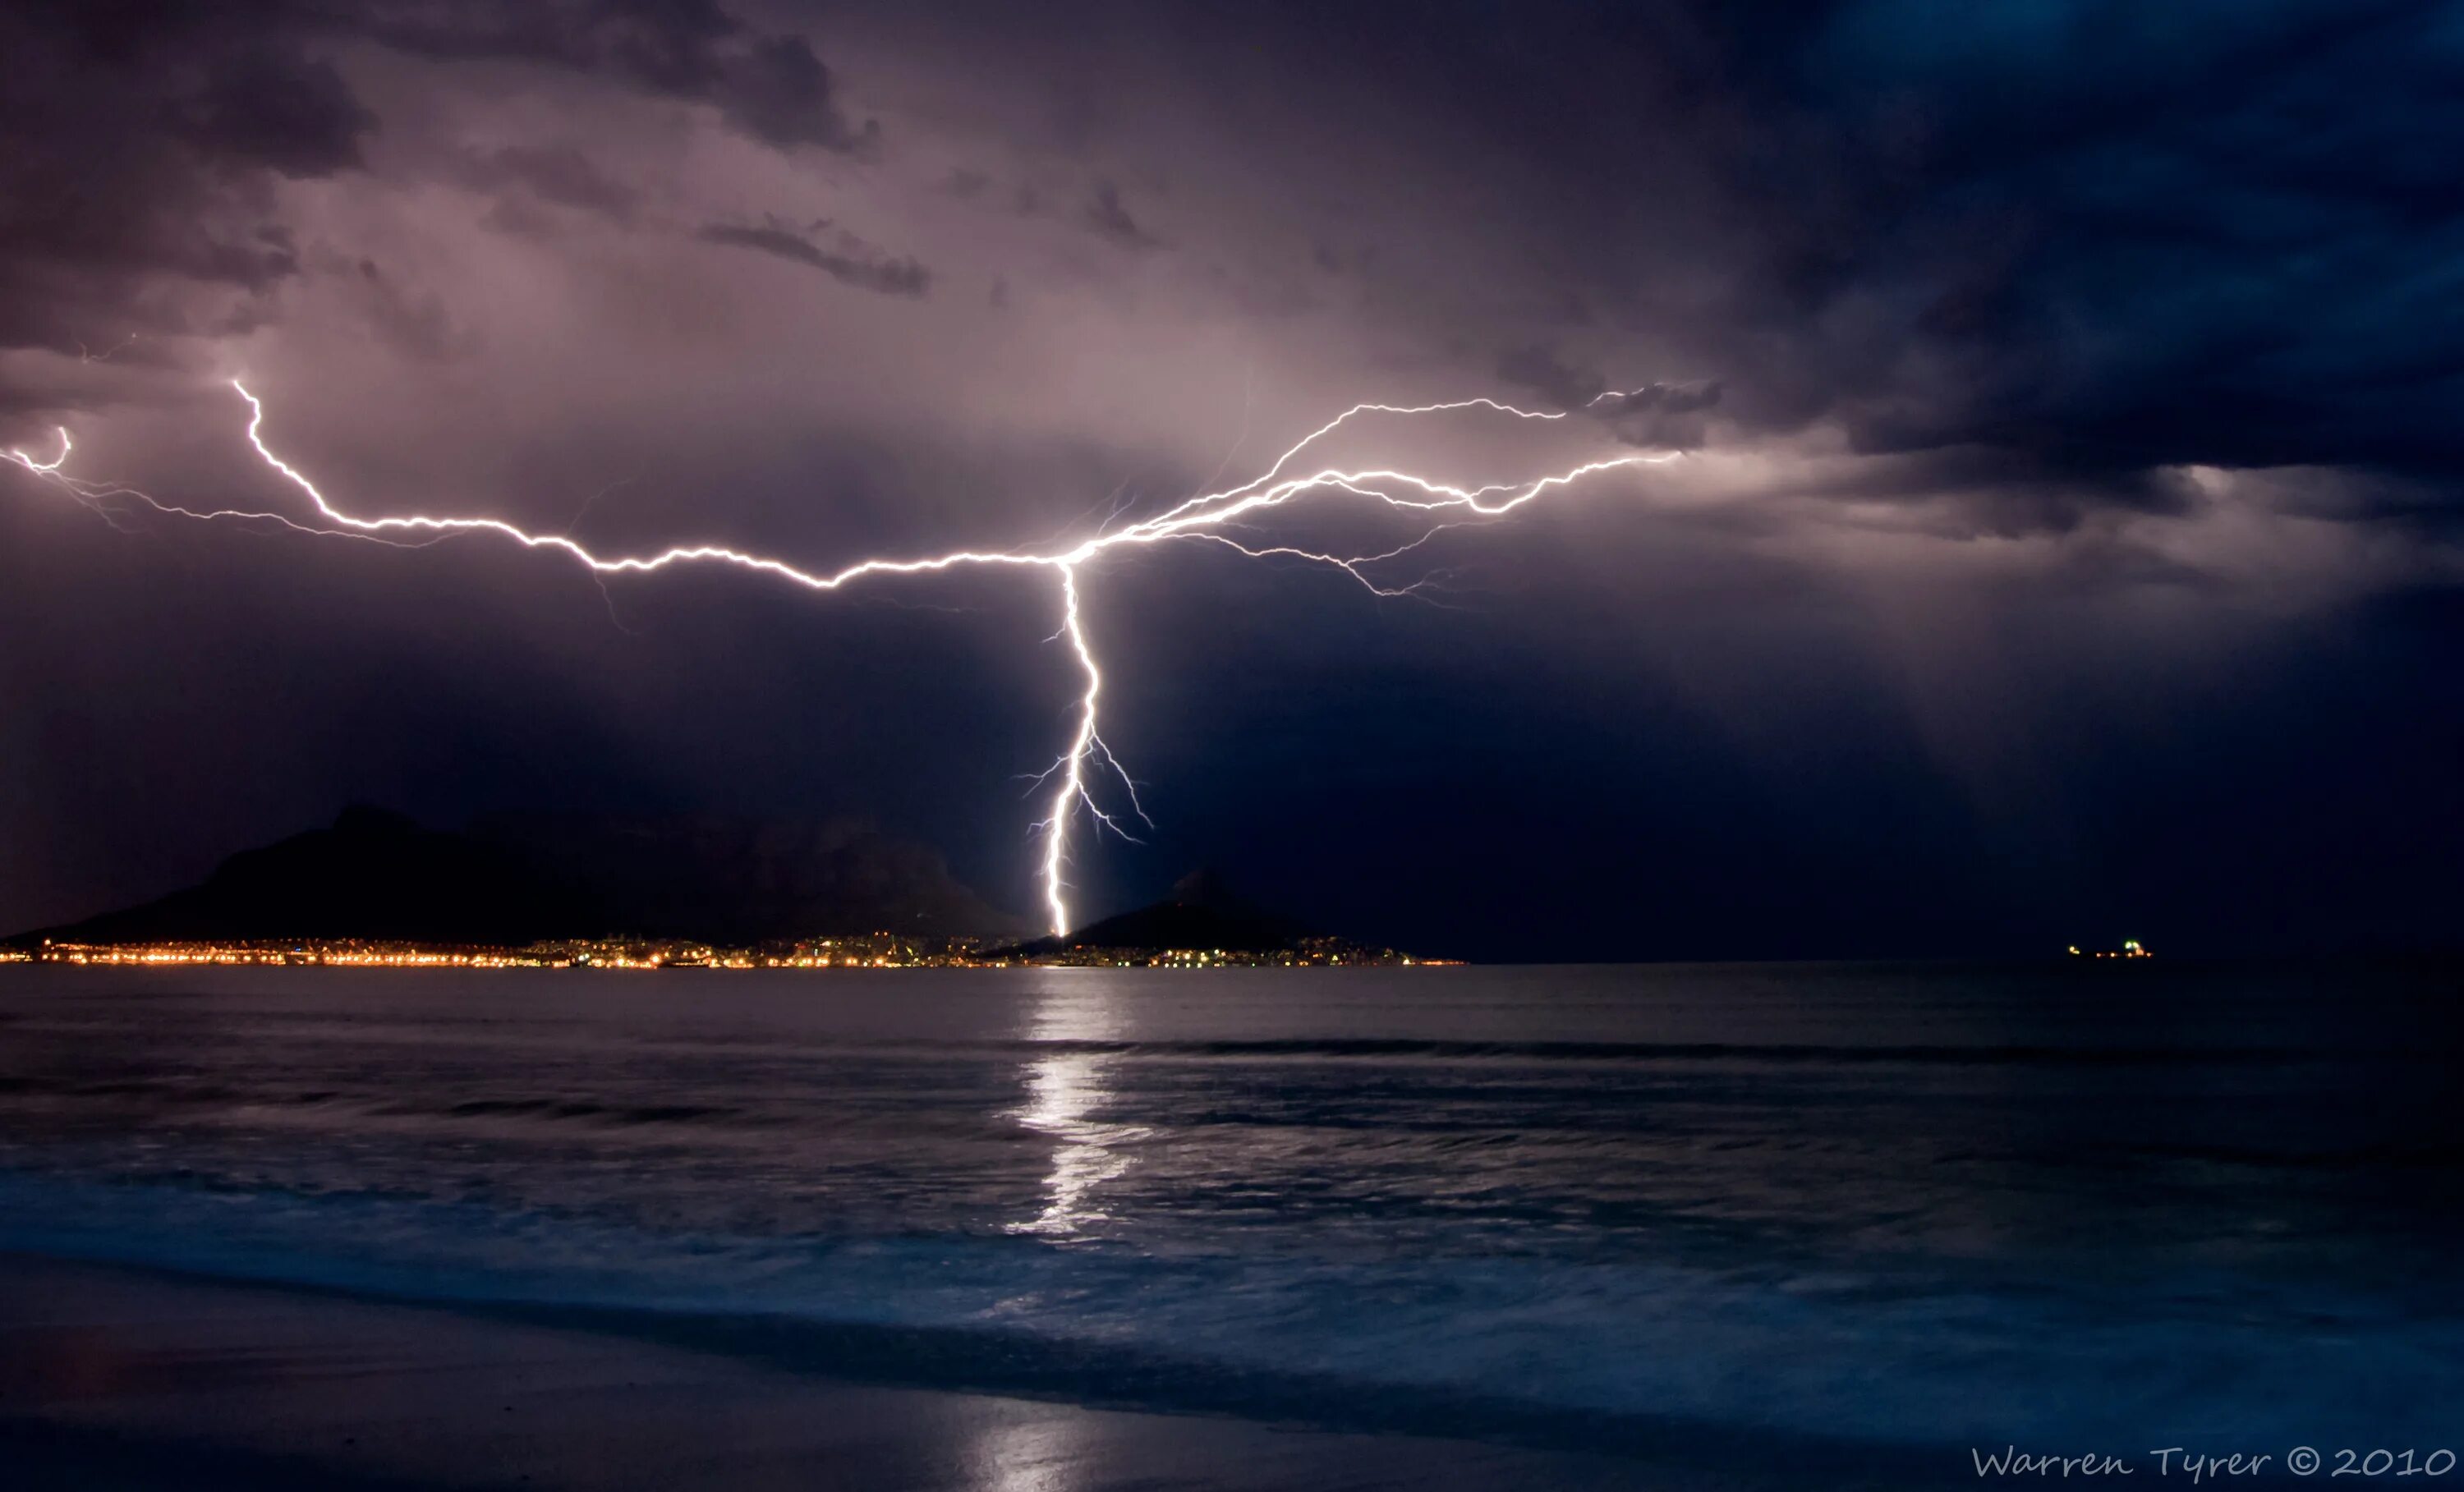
246	955
881	952
2131	948
878	951
1315	953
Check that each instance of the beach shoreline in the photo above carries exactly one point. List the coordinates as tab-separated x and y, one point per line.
116	1377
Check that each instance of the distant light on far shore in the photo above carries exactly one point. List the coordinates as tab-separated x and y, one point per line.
2131	947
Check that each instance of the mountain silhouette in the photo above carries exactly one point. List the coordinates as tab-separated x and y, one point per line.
376	874
743	880
1202	912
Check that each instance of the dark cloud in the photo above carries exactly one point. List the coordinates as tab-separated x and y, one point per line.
290	114
141	140
841	256
2108	237
781	92
1539	367
772	86
126	160
1104	213
1660	416
413	322
2165	274
2111	236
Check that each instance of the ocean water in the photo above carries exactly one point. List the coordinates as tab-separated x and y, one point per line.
1688	1213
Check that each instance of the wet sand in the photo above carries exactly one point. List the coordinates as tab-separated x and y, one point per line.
115	1379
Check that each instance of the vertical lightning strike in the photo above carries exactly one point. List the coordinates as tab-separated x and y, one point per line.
1086	747
1199	518
1074	774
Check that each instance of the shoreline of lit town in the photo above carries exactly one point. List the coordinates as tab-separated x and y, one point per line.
873	950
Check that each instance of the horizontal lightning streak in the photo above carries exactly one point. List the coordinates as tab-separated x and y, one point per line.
98	496
1200	517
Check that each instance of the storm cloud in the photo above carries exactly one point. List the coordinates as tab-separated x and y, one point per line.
2034	375
845	257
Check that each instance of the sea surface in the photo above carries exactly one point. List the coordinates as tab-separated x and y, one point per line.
1729	1215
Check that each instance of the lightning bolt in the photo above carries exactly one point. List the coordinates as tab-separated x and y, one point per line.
1199	519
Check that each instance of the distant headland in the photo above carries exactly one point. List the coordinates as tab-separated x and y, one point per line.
377	889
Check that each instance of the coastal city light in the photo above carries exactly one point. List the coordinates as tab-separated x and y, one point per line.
2131	947
876	950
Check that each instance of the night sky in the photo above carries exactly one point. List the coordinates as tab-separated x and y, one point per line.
2066	546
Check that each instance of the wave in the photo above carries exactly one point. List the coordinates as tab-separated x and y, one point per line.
1663	1360
174	1092
1381	1048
